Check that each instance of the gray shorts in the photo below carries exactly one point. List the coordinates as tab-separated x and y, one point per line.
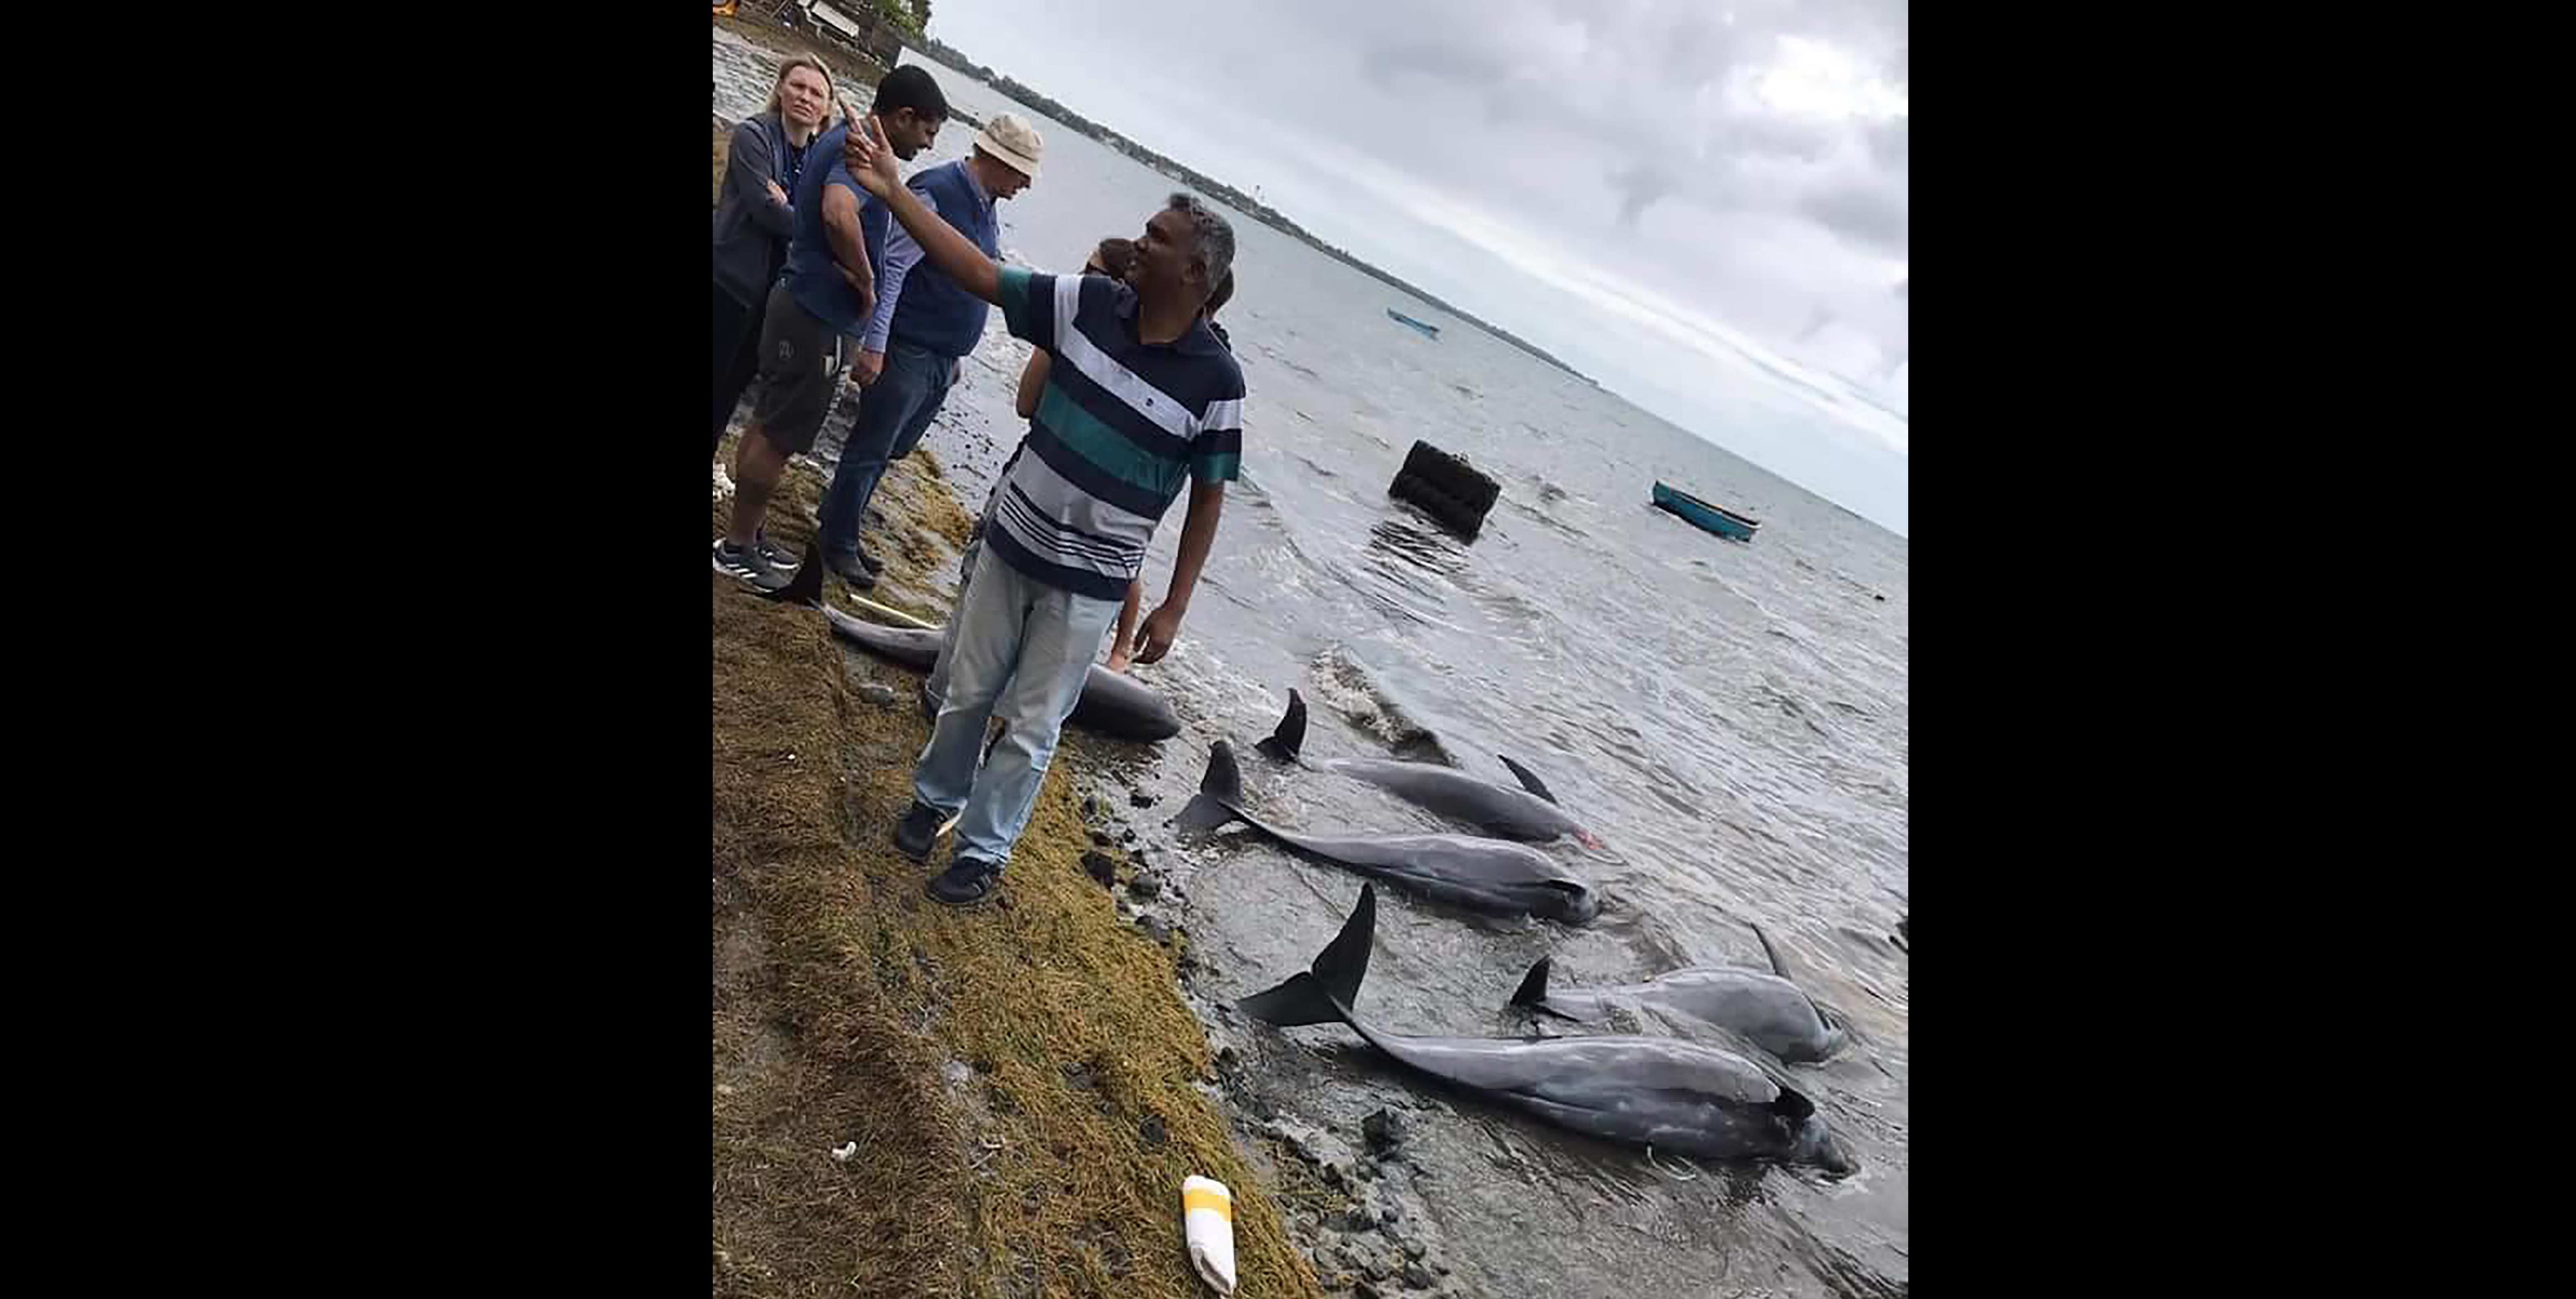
797	351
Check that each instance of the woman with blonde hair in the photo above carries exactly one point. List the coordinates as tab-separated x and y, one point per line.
754	217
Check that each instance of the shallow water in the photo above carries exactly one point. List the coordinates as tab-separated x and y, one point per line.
1731	719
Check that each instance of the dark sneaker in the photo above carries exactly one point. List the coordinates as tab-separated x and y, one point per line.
912	834
744	564
870	562
780	557
850	569
967	881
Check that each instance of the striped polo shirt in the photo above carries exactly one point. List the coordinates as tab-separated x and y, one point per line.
1120	426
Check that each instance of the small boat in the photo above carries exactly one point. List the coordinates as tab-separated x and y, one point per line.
1718	519
1429	330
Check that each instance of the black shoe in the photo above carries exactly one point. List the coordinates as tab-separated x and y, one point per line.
912	834
870	562
967	881
852	569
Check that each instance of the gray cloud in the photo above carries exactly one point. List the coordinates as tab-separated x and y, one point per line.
1569	122
1773	137
1639	188
1451	63
1869	213
1891	143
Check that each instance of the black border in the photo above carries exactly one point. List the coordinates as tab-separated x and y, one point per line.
2088	515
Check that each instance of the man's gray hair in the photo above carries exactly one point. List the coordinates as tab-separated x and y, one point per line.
1214	237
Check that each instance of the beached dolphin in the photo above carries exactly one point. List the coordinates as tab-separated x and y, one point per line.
1485	874
1492	808
1644	1091
1112	703
1767	1010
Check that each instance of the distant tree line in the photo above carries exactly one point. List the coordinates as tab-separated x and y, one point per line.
946	56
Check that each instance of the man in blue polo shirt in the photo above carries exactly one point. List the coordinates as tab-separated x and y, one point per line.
1140	398
923	325
829	288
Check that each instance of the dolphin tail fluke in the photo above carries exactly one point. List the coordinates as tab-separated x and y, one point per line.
1300	1000
1285	742
807	588
1324	993
1201	815
1220	790
1529	779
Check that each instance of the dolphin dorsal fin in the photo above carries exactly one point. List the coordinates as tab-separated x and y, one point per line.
1529	779
1772	952
1533	985
1290	735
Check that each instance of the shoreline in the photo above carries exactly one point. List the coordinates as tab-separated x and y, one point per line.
1050	1045
1025	1083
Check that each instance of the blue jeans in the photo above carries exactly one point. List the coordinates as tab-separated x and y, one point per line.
893	413
1020	650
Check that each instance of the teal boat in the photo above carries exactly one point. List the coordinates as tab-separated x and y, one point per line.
1429	330
1718	519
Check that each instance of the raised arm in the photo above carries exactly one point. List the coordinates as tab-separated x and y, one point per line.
873	164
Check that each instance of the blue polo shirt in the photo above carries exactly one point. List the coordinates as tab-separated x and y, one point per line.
811	274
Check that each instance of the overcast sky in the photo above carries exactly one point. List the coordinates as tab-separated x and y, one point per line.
1669	194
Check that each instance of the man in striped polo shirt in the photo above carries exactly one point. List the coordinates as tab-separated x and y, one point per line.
1140	398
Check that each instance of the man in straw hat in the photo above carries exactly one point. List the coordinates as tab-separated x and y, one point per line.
923	326
1140	400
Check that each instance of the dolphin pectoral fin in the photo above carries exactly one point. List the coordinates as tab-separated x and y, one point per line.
1323	994
1529	779
1290	737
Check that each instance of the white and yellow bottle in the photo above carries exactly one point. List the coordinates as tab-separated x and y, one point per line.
1207	1223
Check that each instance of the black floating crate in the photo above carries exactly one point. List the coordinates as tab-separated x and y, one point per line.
1445	487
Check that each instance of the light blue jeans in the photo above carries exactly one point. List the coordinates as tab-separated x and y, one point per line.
936	688
1019	650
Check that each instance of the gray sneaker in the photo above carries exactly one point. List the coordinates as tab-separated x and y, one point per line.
744	565
780	558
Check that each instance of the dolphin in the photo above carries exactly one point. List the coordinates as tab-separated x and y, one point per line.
1642	1091
1528	814
1484	874
1112	703
1765	1009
